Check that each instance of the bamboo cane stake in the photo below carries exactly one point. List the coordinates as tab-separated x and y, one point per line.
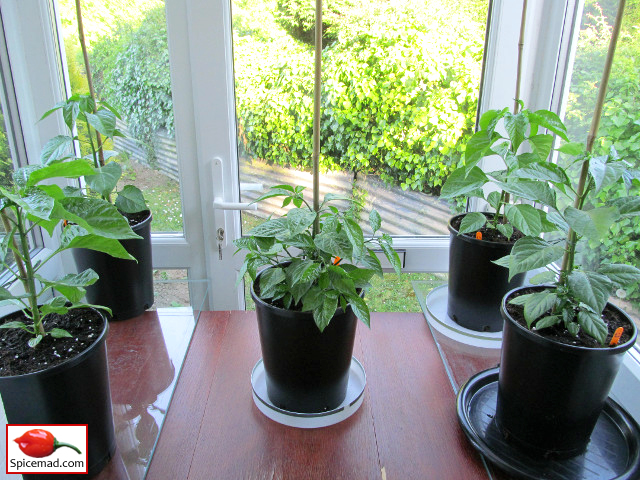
569	253
87	68
316	114
516	105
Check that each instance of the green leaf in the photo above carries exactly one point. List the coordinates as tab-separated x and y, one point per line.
15	324
621	275
71	285
593	325
550	121
277	227
461	182
543	277
302	271
493	199
312	299
360	276
104	121
33	342
572	148
299	219
548	321
593	224
74	236
59	333
505	229
35	203
535	304
325	312
360	309
605	173
371	262
375	220
131	200
340	280
530	190
478	145
591	288
105	178
355	235
525	218
55	305
472	222
60	146
386	243
542	145
96	216
529	253
627	206
543	171
269	279
516	127
71	169
335	244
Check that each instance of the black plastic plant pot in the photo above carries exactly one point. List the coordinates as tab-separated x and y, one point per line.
551	394
126	287
307	371
74	392
476	284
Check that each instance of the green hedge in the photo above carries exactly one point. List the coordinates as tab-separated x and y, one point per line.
398	101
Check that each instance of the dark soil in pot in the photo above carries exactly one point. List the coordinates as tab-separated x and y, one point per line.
307	370
476	284
552	387
17	358
75	390
125	286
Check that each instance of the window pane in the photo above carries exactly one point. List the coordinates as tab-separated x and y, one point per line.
400	89
619	126
6	164
129	57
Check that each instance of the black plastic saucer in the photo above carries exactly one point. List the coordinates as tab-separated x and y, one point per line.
612	454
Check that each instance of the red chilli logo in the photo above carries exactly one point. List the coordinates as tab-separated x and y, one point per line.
39	443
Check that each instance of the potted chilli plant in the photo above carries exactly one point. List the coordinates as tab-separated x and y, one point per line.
309	298
564	341
476	284
125	286
53	364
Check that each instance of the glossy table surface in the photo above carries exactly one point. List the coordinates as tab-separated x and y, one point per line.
406	427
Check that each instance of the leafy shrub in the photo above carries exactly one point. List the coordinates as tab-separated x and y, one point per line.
133	72
399	101
297	17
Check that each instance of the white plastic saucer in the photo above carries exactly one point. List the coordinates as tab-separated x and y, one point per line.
351	403
436	308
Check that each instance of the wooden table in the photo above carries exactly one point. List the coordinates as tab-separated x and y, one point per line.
406	428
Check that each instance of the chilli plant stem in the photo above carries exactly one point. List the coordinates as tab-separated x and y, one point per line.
317	80
568	259
87	68
25	267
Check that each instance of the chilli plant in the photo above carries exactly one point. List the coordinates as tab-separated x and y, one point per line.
320	258
34	201
579	293
524	152
98	119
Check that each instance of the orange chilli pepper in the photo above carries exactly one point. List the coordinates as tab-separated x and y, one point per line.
478	235
616	336
337	261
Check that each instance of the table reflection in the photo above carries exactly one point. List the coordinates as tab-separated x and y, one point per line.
145	357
